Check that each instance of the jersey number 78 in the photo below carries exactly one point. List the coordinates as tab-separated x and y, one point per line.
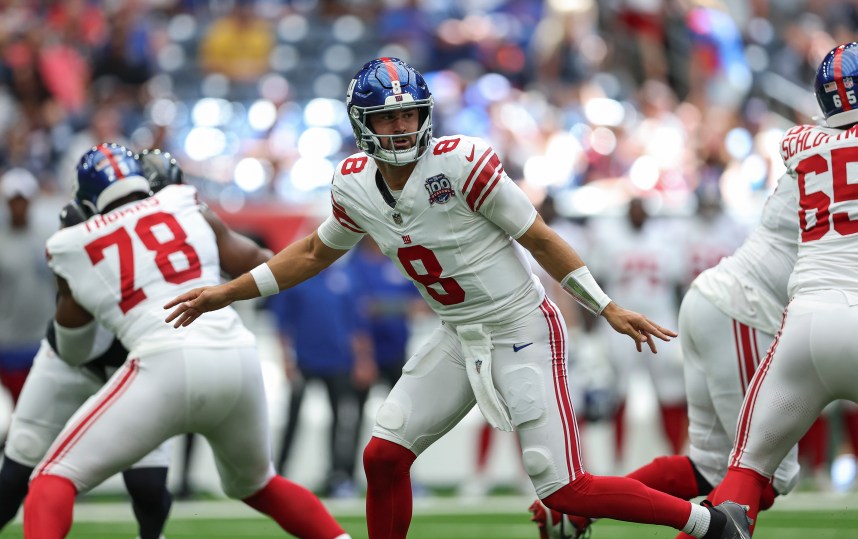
121	238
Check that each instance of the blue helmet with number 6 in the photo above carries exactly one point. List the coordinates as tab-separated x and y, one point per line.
836	85
386	84
105	174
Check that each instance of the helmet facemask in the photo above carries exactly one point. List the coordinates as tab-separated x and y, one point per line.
371	142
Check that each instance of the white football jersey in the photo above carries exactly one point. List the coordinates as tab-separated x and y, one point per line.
707	241
450	232
123	266
751	285
639	269
824	164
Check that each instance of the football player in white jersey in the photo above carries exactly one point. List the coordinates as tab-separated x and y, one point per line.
727	321
642	270
446	213
117	268
53	391
813	359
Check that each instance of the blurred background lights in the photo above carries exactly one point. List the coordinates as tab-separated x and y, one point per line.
338	58
274	87
262	115
604	111
739	143
348	28
321	112
163	112
644	173
250	174
210	112
319	142
292	28
204	142
603	141
310	173
171	57
494	87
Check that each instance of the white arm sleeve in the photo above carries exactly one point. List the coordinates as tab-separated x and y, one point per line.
336	236
509	208
74	345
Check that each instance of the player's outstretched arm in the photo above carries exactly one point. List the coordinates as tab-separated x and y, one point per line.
561	261
294	264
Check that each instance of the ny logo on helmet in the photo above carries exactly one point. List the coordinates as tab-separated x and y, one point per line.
439	188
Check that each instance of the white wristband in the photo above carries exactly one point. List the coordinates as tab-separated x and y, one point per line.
265	280
586	291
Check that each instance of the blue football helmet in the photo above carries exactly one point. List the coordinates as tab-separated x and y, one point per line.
160	169
388	84
105	174
835	86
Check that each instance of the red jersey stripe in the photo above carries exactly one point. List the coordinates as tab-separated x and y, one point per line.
838	78
66	444
488	191
475	169
483	179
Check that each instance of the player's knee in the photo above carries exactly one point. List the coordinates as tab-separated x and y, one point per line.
390	417
27	445
537	462
383	456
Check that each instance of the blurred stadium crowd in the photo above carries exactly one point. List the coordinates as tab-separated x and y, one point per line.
678	103
655	97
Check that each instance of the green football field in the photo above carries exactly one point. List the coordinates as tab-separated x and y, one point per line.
816	516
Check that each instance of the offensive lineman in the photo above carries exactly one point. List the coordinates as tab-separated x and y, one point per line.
115	269
54	390
727	321
446	213
813	359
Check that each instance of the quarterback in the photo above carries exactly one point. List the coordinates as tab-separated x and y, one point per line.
450	218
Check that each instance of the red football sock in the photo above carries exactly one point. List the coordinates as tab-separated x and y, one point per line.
295	509
850	418
619	431
813	446
619	498
674	420
767	498
743	486
672	475
484	443
388	492
49	507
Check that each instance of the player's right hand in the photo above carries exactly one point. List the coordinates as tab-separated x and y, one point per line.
190	305
636	326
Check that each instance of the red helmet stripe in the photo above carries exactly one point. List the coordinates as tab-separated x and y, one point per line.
838	77
391	69
110	157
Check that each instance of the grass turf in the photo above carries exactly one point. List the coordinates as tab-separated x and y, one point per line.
819	524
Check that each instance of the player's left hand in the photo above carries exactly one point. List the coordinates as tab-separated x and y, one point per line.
636	326
190	305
